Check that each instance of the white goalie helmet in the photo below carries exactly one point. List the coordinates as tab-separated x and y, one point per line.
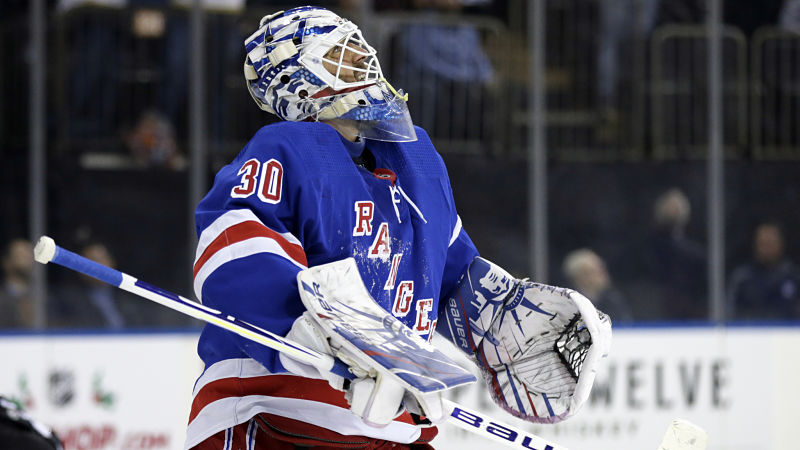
308	63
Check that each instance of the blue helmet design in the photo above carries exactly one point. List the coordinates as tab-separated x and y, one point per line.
296	69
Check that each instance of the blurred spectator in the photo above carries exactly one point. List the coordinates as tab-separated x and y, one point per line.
746	15
90	303
152	143
621	22
790	16
93	65
769	286
442	65
16	305
132	55
223	51
450	52
86	302
681	11
587	273
666	272
749	15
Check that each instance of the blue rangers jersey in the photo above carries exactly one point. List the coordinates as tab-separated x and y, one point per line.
293	198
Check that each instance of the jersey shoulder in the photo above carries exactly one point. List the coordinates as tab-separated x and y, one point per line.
284	156
281	139
275	177
313	147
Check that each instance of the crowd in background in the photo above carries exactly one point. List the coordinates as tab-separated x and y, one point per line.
120	69
80	302
665	274
120	98
669	269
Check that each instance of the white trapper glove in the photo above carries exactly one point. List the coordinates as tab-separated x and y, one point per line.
539	347
373	396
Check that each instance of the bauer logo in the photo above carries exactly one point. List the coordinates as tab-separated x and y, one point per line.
519	439
457	322
317	295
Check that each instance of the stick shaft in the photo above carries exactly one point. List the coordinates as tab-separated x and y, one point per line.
459	416
183	305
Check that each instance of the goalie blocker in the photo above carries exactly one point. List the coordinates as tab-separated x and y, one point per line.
395	368
537	346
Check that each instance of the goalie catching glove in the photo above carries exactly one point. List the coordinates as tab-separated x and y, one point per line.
538	346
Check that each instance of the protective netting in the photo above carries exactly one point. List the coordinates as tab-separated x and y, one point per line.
573	345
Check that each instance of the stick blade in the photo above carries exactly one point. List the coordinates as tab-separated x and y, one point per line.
684	435
45	250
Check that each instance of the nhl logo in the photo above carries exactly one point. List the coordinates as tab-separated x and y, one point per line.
61	387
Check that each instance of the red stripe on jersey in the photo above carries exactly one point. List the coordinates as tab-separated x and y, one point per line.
247	230
280	433
286	386
268	385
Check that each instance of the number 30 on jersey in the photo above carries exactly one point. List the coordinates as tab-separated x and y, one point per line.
266	179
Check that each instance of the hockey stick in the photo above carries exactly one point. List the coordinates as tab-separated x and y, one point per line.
47	251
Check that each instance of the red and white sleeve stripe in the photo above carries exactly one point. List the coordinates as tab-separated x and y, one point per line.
232	391
238	234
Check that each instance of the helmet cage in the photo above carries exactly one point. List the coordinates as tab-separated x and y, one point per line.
346	38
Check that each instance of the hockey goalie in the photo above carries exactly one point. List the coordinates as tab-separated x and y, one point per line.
336	227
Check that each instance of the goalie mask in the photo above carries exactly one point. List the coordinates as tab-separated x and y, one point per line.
308	63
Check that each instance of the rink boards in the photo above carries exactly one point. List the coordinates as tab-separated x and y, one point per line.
132	391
